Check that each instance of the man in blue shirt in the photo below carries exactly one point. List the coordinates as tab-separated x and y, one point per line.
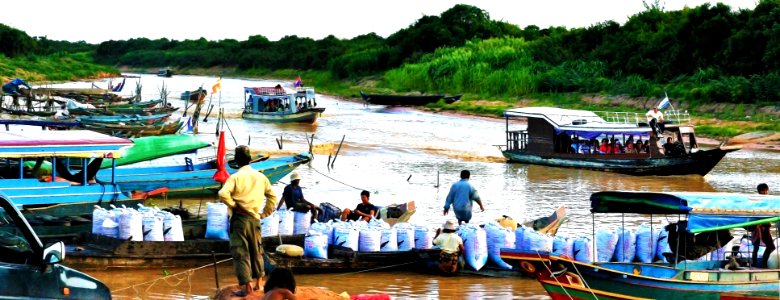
12	87
460	196
292	197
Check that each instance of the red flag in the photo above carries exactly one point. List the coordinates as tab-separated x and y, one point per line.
222	174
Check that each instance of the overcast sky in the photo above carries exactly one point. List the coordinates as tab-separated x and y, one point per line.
96	21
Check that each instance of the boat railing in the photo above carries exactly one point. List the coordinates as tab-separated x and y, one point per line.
272	91
516	140
670	116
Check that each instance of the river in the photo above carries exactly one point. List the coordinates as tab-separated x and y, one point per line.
402	154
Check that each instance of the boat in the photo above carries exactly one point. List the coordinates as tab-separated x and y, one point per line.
60	192
407	100
164	72
563	138
564	278
190	177
343	259
275	104
97	252
196	96
121	111
545	225
124	118
133	130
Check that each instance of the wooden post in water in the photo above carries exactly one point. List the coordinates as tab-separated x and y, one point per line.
337	151
216	274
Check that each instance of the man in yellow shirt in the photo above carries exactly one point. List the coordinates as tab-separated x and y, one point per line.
243	193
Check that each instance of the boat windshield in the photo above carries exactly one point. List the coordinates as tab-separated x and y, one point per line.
14	247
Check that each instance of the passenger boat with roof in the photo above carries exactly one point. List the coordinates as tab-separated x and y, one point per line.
275	104
23	153
706	213
576	139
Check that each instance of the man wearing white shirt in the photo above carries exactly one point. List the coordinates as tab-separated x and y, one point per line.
655	118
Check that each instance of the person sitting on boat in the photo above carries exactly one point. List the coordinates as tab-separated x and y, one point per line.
451	247
669	147
646	146
617	147
364	211
280	285
630	147
575	145
62	113
656	120
762	235
292	197
12	87
605	148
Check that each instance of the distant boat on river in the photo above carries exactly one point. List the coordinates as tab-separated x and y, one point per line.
275	104
407	100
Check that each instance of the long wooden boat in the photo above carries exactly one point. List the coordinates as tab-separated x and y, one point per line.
556	137
406	100
343	259
96	252
132	130
195	178
271	104
69	194
27	112
60	124
121	111
564	278
124	118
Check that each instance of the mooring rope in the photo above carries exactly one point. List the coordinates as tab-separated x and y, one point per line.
336	180
374	269
176	276
553	276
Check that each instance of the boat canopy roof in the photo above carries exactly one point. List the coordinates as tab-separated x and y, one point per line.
267	93
583	123
70	143
706	211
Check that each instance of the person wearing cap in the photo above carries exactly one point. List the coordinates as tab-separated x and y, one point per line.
451	247
292	197
762	234
656	119
460	197
243	193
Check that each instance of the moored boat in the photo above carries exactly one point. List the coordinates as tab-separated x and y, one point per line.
407	100
59	192
565	278
96	252
196	96
193	177
570	138
275	104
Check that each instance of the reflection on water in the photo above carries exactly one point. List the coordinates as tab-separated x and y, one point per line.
401	154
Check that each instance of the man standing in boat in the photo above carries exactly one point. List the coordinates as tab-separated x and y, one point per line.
460	197
243	192
762	233
656	120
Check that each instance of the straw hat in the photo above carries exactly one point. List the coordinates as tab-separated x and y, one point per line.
295	176
451	224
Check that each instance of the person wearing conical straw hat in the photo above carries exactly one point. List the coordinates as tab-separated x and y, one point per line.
451	247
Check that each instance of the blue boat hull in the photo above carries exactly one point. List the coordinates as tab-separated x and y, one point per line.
62	198
196	178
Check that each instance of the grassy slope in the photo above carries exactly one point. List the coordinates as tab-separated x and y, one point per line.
37	69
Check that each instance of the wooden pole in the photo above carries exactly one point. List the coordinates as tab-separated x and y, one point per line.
337	151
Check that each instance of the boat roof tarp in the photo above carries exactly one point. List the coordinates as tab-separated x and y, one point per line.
706	211
152	147
70	143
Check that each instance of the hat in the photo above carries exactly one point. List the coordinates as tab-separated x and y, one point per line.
295	176
451	224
